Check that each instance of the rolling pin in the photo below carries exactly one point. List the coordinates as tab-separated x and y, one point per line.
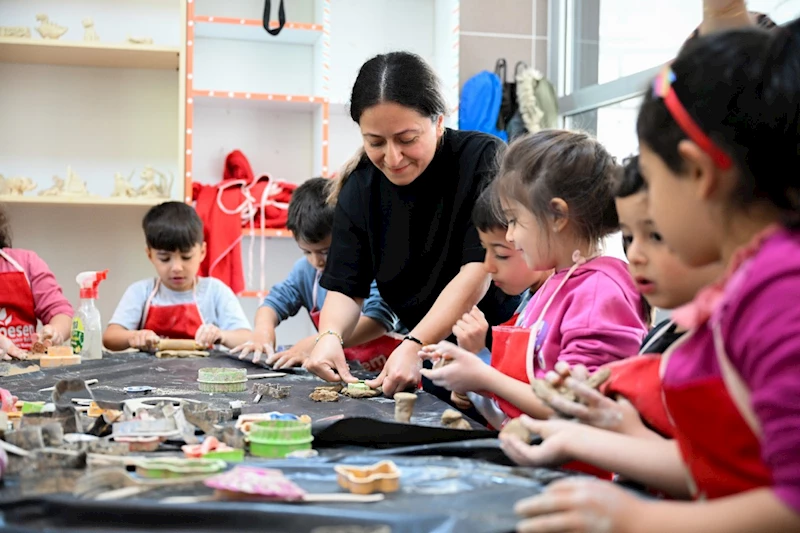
178	344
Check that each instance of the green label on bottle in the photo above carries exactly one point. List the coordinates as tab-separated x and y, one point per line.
77	335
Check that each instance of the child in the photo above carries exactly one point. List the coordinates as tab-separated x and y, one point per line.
310	219
719	137
29	293
555	189
176	304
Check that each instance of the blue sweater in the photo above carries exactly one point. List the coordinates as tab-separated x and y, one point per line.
297	291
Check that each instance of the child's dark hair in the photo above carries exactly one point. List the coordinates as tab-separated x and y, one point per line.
742	88
310	216
172	226
629	178
562	164
487	214
5	229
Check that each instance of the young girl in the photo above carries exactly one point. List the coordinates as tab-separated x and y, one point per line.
29	292
719	137
555	188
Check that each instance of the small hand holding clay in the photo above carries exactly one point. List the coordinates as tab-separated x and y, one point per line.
294	356
52	334
402	370
259	345
471	331
144	339
460	400
580	505
208	335
556	435
9	350
463	373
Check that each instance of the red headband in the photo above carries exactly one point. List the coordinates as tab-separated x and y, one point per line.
662	88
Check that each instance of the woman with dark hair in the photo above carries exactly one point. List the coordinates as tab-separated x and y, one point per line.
403	218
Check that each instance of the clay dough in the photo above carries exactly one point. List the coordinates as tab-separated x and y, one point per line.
404	406
324	394
166	354
515	427
547	391
360	390
452	419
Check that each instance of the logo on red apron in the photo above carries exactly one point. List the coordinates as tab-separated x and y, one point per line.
19	334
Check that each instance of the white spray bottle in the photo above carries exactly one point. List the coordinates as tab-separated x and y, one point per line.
87	328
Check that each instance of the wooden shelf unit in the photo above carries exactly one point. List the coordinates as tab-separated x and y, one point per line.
253	30
88	54
79	200
269	233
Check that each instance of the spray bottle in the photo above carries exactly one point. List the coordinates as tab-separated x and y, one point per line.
87	328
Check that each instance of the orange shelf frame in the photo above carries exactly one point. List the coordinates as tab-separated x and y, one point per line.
269	233
253	294
252	30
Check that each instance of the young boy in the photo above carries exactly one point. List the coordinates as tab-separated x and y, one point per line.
176	304
310	219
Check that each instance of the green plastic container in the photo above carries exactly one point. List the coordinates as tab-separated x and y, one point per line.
274	439
222	379
230	456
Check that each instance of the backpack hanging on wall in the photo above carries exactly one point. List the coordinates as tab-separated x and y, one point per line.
281	17
537	102
481	97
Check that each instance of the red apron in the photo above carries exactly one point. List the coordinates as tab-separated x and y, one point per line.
179	321
716	428
17	317
373	354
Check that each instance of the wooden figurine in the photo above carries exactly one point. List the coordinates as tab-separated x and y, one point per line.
156	184
123	187
56	190
140	40
47	29
20	32
89	33
74	185
16	186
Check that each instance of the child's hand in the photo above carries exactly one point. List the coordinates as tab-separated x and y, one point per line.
9	350
460	401
50	333
471	331
144	340
294	356
208	335
259	344
580	505
556	435
461	370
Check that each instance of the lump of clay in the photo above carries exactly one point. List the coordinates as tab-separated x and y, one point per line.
324	394
453	419
515	427
360	390
404	406
546	391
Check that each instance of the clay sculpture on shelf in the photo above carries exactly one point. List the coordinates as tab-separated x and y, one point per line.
155	184
20	32
454	420
123	188
89	33
47	29
16	186
56	190
404	406
74	185
140	40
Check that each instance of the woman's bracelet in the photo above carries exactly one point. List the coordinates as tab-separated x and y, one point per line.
329	332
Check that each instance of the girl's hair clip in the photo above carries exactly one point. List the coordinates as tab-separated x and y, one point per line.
662	88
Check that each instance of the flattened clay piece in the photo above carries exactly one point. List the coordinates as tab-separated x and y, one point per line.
515	427
167	354
598	378
361	390
324	394
453	419
404	406
544	390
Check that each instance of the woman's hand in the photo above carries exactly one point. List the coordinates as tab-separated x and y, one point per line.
208	335
461	370
327	361
471	330
580	505
402	370
553	451
9	350
294	356
144	339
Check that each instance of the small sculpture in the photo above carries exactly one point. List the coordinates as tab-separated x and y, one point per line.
140	40
74	185
89	33
56	190
16	186
123	187
20	32
155	188
49	30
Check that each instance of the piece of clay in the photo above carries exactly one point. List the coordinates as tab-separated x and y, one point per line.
361	390
123	188
547	391
404	406
167	354
140	40
89	33
20	32
47	29
74	185
515	427
17	185
277	392
453	419
156	184
324	394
